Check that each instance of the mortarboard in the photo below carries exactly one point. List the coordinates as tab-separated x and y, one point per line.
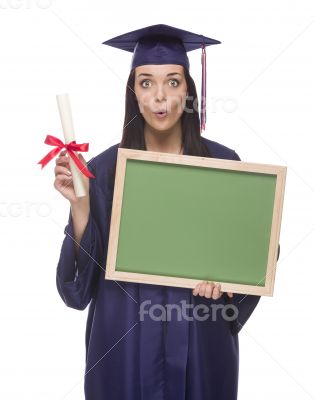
164	44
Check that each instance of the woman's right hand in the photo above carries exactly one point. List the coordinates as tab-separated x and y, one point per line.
63	178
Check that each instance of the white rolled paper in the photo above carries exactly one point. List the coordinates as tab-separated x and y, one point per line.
68	132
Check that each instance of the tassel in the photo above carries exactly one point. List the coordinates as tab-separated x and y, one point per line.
203	89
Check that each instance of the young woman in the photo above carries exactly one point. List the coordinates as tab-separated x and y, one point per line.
130	352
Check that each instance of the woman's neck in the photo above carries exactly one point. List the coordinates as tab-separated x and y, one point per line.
169	141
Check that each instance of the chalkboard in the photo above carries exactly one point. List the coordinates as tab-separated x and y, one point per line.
177	220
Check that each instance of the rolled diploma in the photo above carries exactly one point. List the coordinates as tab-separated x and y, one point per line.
68	132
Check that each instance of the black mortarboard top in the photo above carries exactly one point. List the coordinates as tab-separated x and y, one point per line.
164	44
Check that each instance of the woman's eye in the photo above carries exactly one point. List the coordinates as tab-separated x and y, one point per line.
174	82
146	83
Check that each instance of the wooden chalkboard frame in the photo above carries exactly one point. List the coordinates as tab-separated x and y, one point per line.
214	163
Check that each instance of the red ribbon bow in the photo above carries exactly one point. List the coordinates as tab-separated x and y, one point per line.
70	147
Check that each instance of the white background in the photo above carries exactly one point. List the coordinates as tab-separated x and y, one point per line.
260	102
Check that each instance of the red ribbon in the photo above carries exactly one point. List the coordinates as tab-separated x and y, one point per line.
70	148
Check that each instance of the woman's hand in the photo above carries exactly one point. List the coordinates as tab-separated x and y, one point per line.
64	182
209	289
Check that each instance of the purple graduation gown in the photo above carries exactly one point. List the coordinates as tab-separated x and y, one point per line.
152	359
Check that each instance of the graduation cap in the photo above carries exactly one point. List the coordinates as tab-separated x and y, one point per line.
164	44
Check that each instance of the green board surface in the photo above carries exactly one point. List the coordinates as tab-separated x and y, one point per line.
195	222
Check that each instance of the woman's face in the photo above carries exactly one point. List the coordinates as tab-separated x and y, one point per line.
161	92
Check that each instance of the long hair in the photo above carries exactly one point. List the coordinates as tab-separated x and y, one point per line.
133	127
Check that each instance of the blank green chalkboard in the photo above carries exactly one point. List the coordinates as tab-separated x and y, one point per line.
177	220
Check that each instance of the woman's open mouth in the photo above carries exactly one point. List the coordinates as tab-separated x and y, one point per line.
161	114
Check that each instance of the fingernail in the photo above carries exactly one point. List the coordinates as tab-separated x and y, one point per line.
69	172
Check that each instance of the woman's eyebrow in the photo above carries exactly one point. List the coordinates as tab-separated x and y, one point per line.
170	74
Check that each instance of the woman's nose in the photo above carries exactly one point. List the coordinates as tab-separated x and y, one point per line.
160	94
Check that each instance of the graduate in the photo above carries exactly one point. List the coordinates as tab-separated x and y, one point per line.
131	351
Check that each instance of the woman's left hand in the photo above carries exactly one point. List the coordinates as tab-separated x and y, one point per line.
209	290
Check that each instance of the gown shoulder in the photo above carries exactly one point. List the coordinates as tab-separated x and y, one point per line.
219	150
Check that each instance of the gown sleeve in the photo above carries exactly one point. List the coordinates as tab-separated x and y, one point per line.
77	275
244	304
